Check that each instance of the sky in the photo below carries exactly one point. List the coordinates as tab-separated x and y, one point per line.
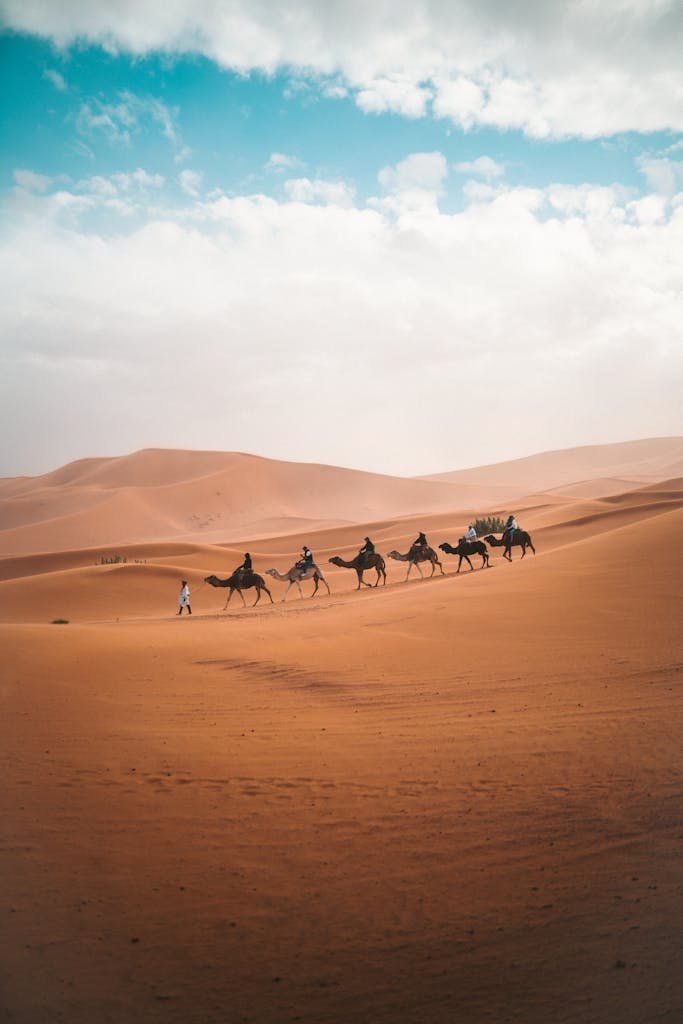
405	237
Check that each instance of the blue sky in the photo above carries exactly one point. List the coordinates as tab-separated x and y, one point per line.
275	199
230	124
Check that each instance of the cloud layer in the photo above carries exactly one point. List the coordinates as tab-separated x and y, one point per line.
391	337
551	70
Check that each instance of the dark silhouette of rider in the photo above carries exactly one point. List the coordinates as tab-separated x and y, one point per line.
367	549
421	541
246	564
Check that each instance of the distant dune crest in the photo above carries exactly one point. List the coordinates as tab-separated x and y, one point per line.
160	495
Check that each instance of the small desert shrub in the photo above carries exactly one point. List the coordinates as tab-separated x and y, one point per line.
60	622
488	524
112	559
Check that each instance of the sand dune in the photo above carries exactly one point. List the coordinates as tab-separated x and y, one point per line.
227	496
629	461
451	799
75	585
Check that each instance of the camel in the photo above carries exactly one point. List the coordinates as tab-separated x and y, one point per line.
466	548
417	554
362	562
239	581
297	573
520	538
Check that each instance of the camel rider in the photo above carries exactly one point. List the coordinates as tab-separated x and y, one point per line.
367	549
307	558
470	535
510	527
246	564
419	542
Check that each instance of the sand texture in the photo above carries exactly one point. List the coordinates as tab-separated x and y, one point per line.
457	799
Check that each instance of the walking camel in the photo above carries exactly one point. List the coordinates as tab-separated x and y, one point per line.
520	538
298	573
465	549
362	562
418	553
239	581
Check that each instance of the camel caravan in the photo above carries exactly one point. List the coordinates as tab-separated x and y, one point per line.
420	553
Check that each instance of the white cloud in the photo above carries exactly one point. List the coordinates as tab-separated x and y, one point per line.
119	120
310	315
335	90
280	162
113	120
663	174
30	181
140	179
648	210
585	69
419	170
190	182
396	93
482	167
588	200
303	190
459	99
414	185
56	79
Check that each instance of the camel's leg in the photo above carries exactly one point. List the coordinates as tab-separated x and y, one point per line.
327	585
441	567
301	593
315	588
418	567
459	564
258	597
291	582
269	595
244	603
228	600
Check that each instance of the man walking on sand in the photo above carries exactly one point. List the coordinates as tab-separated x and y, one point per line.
184	598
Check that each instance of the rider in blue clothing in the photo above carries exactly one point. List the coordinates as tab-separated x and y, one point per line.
510	527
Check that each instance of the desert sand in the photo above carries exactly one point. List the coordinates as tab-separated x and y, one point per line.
457	799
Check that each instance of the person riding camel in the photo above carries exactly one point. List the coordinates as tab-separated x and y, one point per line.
510	527
367	549
246	565
307	558
420	542
470	535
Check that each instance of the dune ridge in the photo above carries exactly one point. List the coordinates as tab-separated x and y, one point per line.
219	496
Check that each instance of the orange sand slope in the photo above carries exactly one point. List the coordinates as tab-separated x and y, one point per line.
579	471
76	585
457	799
213	497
